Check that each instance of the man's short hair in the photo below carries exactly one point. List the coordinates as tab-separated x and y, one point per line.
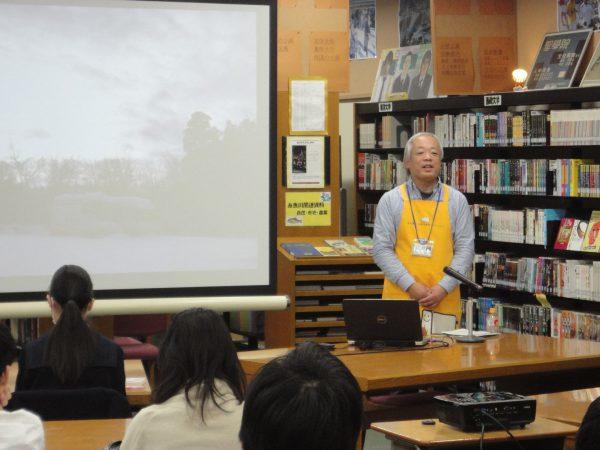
8	348
588	435
411	143
305	400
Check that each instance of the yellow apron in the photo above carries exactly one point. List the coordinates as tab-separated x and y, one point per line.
428	271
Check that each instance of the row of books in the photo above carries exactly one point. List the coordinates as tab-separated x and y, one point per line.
538	320
369	214
486	130
376	172
578	234
332	247
575	127
497	176
528	225
506	128
568	278
568	177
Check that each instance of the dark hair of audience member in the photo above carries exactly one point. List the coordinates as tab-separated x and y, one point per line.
306	400
8	348
197	350
588	435
71	344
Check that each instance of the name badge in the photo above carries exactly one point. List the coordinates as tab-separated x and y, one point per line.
421	247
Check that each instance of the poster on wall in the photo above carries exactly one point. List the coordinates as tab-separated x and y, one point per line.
558	59
363	38
414	23
592	72
577	14
305	162
404	74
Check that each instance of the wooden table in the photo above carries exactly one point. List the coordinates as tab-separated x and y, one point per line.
83	434
568	407
543	433
137	387
504	356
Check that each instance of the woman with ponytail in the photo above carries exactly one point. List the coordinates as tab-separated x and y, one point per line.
71	355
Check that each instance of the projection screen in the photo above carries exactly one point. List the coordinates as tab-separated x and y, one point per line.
137	140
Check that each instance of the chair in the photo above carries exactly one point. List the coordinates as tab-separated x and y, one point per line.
69	404
133	333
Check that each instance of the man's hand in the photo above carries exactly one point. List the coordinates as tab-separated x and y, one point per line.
417	291
435	296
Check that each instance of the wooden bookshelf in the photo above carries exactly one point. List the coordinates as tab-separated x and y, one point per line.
579	207
323	318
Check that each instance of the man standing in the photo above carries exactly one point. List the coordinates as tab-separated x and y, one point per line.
421	227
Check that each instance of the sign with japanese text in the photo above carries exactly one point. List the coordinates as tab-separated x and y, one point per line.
558	59
307	209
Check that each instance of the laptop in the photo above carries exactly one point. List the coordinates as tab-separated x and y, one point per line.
380	323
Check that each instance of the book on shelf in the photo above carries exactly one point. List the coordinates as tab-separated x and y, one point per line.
366	135
365	243
340	287
380	172
591	241
300	249
308	287
564	233
577	235
344	248
327	251
307	302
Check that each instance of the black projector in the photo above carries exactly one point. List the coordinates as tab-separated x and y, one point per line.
469	411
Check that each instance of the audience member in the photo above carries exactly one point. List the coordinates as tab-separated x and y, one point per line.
588	435
18	429
198	400
306	400
71	355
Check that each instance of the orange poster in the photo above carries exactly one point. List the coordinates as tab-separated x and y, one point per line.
289	57
328	58
454	72
496	62
452	7
496	7
332	4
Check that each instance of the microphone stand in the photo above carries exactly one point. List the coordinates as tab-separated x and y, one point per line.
470	337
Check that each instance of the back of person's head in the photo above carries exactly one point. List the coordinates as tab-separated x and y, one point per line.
197	351
305	400
588	435
8	348
71	344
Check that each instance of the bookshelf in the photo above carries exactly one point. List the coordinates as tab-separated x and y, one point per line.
316	287
422	113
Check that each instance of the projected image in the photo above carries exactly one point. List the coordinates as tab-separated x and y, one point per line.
134	142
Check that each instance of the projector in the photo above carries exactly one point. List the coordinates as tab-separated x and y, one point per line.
468	411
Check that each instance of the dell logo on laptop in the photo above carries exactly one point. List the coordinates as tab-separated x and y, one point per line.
381	319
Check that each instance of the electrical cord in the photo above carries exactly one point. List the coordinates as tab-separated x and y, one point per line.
503	427
434	345
482	435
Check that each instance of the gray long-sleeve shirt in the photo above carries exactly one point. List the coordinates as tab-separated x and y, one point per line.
387	222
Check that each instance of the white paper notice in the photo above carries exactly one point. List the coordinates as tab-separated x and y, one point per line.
308	106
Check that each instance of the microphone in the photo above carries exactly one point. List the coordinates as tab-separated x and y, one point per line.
460	277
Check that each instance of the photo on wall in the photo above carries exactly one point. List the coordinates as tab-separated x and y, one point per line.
404	74
558	60
578	14
363	37
414	23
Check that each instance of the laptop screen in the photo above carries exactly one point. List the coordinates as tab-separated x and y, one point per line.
394	322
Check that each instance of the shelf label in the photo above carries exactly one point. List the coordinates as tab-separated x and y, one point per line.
492	100
385	107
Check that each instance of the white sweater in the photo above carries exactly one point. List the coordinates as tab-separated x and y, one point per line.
21	430
175	425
